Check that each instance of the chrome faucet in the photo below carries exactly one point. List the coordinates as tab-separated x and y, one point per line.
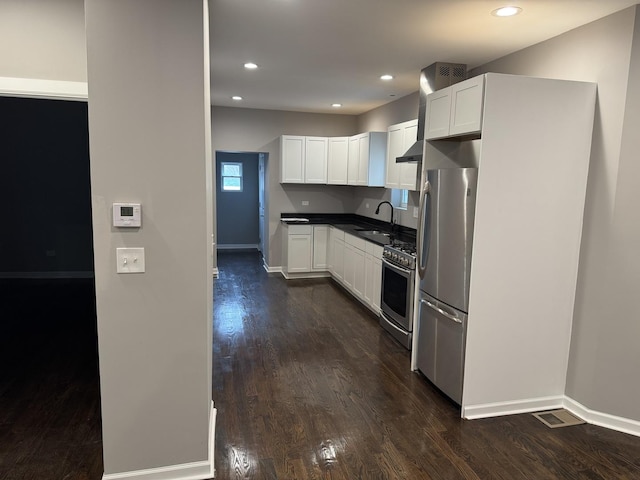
378	211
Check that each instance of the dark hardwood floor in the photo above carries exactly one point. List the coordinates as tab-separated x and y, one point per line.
49	384
308	386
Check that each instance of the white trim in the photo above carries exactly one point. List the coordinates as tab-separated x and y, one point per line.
186	471
238	246
293	276
212	440
472	412
270	269
37	88
216	272
620	424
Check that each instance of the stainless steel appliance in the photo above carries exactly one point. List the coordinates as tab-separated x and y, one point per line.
398	277
445	237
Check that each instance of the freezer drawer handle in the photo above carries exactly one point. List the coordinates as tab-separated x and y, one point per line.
440	311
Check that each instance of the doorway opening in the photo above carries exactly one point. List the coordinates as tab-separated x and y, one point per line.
240	201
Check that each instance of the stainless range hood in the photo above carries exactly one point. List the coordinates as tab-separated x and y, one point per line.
434	77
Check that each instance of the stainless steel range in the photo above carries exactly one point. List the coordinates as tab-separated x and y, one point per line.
398	277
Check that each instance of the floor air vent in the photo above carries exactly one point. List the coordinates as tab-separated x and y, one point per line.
558	418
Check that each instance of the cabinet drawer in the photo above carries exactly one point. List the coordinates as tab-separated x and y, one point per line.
355	242
299	230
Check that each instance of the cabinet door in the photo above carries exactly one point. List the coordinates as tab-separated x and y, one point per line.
376	293
299	253
395	148
315	167
292	149
320	242
354	158
338	259
330	249
466	106
368	280
438	114
358	273
408	172
338	160
349	266
363	160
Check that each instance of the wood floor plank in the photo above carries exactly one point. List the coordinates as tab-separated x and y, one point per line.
308	386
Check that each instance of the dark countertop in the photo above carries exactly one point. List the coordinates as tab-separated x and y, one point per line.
354	224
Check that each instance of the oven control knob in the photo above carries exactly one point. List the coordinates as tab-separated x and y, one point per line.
395	256
405	261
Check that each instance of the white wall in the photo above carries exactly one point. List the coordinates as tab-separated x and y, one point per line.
250	130
43	39
148	137
604	356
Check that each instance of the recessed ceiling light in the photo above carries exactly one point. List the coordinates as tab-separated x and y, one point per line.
250	66
236	97
336	105
506	11
386	77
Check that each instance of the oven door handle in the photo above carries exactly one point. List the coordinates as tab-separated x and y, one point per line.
396	267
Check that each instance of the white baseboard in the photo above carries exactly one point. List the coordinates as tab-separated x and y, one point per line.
216	272
271	269
606	420
293	276
186	471
601	419
472	412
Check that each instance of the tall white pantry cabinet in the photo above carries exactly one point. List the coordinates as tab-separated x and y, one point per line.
533	159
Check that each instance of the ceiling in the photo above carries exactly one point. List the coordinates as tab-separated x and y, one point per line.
313	53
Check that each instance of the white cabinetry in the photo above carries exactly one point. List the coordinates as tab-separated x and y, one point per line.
338	160
337	254
373	276
399	138
303	159
366	159
320	247
533	157
297	248
455	110
354	275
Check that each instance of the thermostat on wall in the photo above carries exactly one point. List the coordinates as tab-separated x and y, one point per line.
127	215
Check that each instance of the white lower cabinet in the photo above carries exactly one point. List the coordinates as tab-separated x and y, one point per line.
373	276
320	248
311	250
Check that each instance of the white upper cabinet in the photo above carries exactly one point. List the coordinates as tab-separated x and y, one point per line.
399	138
455	110
303	159
292	159
338	160
367	158
315	160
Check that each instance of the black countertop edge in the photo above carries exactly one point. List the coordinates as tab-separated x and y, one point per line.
351	222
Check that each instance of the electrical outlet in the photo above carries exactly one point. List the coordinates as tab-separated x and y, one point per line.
305	203
415	212
366	205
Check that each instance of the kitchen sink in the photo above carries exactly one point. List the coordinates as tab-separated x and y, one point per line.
374	233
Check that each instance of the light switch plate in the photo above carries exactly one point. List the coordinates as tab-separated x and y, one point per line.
130	260
415	212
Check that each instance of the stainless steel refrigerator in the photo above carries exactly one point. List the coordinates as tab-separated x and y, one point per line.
445	240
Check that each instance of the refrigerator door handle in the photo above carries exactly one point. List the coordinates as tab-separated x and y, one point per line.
441	311
422	230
